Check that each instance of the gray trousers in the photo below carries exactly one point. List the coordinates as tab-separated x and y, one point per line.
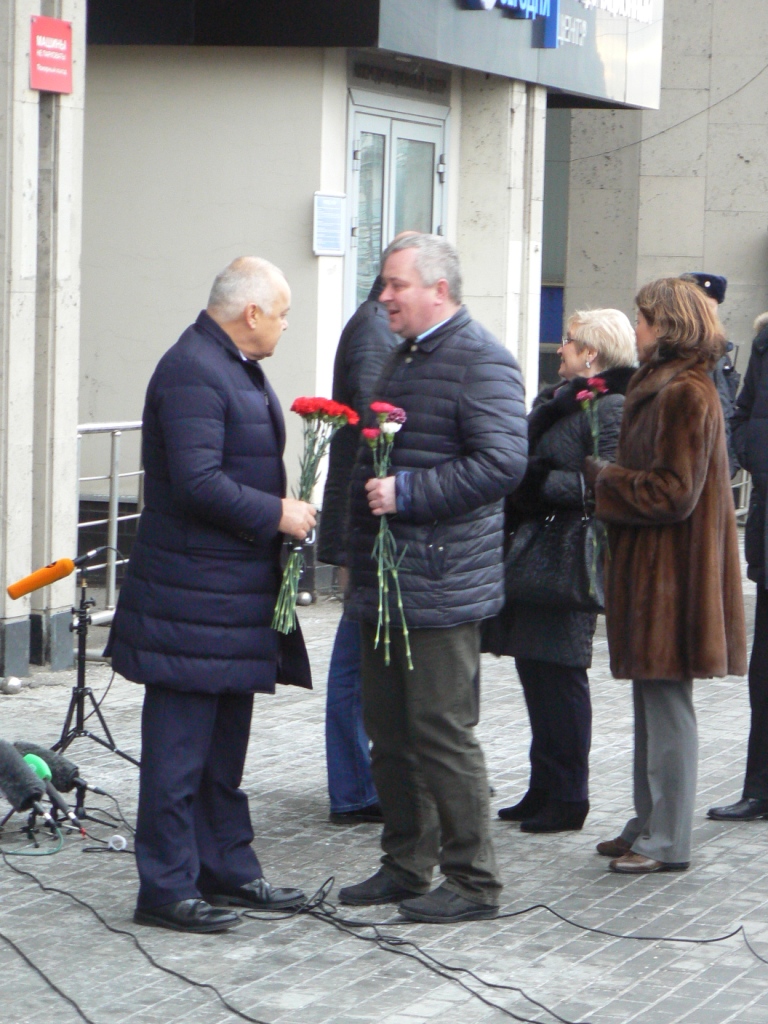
427	766
666	761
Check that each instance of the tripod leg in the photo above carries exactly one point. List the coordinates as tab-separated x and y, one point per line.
112	747
65	739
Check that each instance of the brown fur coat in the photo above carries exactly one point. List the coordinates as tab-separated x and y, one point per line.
674	605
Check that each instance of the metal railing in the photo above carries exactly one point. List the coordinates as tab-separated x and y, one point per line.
114	476
742	486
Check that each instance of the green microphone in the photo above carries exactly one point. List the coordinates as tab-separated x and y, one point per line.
39	767
43	772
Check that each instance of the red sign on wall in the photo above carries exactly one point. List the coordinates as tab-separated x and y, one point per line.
50	55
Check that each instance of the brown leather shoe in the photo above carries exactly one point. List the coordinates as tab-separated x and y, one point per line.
613	847
637	864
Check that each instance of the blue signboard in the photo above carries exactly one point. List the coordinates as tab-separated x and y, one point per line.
549	10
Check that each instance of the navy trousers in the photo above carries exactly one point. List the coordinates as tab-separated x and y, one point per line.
193	832
557	697
756	780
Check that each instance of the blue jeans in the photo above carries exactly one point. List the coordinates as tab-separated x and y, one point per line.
350	785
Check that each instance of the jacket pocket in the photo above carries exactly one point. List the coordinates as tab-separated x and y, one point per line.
436	552
209	539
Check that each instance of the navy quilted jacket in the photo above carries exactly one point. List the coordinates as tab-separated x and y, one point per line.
462	449
750	436
195	609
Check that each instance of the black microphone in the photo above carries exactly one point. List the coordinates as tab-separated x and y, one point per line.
20	785
65	774
58	800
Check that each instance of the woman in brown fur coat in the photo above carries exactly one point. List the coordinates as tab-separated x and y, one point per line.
674	607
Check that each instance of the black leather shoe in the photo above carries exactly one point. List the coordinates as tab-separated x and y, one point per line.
558	816
379	888
533	801
187	916
258	895
372	813
747	809
441	906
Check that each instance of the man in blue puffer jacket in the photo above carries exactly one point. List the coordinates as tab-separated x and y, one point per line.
193	621
462	449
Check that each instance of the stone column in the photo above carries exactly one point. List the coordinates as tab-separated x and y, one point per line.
501	190
55	505
18	243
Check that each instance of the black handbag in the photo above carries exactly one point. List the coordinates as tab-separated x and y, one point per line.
558	560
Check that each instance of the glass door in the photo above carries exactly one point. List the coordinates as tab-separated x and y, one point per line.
371	214
397	173
415	156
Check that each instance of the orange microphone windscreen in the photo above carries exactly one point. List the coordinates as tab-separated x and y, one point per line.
41	578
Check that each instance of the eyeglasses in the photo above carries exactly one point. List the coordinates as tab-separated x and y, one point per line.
565	340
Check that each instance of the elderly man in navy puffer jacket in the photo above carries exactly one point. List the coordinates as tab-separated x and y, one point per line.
462	449
193	622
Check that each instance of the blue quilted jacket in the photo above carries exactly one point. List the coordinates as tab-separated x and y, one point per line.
195	609
462	449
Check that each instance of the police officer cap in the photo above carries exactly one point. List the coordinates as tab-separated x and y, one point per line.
712	284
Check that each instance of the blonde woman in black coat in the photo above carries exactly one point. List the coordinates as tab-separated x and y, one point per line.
552	647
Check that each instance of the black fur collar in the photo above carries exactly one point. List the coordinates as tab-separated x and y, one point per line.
558	401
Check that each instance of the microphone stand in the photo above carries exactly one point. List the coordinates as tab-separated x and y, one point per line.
82	693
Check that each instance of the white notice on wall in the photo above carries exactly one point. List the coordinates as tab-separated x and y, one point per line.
328	231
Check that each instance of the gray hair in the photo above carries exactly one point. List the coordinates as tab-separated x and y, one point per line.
248	279
608	332
436	258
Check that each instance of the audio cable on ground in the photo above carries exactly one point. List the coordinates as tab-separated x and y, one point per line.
320	908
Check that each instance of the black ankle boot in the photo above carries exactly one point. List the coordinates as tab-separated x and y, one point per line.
533	802
558	816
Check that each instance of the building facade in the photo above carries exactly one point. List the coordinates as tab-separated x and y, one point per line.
309	133
657	192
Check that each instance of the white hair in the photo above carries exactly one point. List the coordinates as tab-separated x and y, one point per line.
608	332
248	279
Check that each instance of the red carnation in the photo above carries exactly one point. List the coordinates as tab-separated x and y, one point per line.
306	406
598	385
382	408
371	434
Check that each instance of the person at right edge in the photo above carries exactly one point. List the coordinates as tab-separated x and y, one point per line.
750	438
673	600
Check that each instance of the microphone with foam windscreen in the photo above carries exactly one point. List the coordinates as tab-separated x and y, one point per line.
50	574
43	772
65	774
21	787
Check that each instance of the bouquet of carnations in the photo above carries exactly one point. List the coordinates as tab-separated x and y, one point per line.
588	396
380	440
322	418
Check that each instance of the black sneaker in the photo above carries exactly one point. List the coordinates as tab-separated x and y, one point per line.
379	888
441	906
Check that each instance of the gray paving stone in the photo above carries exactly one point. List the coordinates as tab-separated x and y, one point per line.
303	971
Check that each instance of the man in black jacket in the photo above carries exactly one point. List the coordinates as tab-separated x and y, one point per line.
462	448
750	437
364	346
